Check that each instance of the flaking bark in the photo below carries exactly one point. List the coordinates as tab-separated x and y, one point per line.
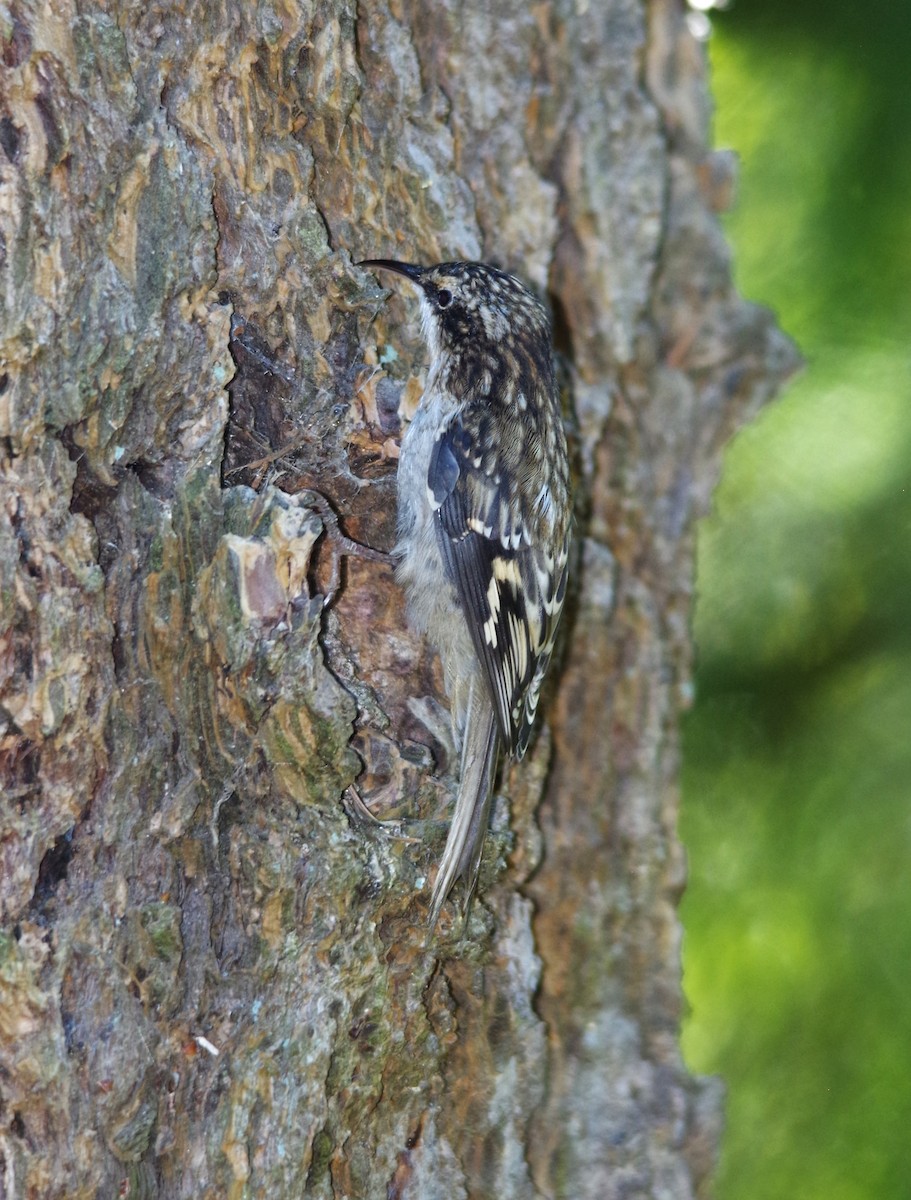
214	980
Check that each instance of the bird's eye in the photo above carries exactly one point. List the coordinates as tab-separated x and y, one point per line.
444	298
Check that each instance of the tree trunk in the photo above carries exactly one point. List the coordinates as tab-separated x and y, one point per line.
215	978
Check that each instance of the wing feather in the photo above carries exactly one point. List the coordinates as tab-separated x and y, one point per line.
508	565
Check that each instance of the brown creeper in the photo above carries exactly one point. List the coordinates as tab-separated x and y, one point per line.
483	523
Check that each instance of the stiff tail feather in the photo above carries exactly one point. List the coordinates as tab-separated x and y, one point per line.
462	855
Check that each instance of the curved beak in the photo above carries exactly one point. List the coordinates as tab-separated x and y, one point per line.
409	270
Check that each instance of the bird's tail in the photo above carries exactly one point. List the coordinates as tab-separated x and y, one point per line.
462	855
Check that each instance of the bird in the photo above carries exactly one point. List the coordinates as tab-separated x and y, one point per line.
484	525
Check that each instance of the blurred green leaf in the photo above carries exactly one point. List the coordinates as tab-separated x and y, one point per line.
797	773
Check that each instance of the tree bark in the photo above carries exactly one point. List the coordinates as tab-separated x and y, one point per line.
215	979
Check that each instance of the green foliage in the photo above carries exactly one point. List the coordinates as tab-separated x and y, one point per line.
798	755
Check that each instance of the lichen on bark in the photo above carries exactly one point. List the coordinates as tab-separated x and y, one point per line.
214	979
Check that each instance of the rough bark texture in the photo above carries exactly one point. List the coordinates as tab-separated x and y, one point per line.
185	349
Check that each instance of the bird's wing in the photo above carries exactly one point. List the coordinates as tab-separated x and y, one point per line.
507	561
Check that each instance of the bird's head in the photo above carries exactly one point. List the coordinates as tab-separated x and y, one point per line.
470	308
